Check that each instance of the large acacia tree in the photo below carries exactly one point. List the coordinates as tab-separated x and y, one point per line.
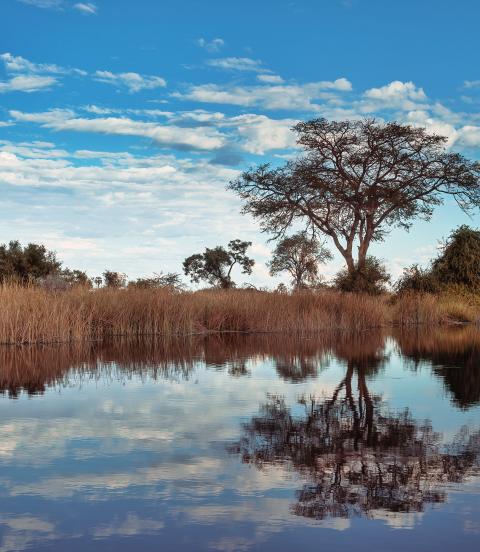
356	180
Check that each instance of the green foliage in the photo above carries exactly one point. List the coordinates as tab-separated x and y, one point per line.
417	279
459	260
456	268
372	278
215	265
27	264
114	279
171	281
299	256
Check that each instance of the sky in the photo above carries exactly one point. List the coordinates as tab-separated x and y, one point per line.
121	123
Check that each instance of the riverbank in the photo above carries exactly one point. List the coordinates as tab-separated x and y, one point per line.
34	315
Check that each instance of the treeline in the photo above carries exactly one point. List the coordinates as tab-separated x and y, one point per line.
353	182
456	267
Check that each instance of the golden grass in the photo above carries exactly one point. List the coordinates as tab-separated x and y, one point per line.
35	315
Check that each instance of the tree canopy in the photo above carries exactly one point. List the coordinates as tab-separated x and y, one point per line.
356	180
300	256
215	265
28	263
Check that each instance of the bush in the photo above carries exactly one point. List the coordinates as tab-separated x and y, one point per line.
372	278
416	279
459	260
170	280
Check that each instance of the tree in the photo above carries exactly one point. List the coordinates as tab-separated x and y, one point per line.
97	280
372	279
65	279
356	181
459	259
170	280
355	454
27	264
215	265
114	279
299	256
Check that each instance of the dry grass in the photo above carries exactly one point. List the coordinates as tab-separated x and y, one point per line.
34	315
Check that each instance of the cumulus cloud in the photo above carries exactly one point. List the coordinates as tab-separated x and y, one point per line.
211	46
134	82
395	95
18	64
287	96
27	83
261	134
86	8
238	64
168	135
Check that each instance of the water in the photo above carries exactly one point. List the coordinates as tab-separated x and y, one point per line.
241	443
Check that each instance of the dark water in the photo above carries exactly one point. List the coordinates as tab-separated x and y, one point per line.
240	443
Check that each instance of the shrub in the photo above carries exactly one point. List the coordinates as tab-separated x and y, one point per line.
417	279
459	260
372	278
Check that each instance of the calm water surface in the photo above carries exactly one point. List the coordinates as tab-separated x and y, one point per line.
241	443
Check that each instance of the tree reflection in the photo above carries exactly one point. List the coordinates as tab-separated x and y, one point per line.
34	369
454	354
356	456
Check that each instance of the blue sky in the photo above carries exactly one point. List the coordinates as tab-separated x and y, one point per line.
121	122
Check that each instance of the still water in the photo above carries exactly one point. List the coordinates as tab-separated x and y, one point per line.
238	443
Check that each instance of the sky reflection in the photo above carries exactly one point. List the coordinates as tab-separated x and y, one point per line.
238	442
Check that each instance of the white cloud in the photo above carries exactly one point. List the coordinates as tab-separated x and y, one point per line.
288	96
134	82
263	134
471	84
270	79
211	46
27	83
18	64
395	95
86	8
46	4
238	64
169	135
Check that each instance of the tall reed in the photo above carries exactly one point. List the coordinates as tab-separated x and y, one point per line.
35	315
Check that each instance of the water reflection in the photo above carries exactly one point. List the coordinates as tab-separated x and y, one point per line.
453	354
139	443
359	457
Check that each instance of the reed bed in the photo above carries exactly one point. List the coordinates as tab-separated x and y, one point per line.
36	315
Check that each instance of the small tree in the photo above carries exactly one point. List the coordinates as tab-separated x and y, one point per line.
76	278
114	279
65	279
170	280
27	264
215	265
299	256
98	280
372	278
